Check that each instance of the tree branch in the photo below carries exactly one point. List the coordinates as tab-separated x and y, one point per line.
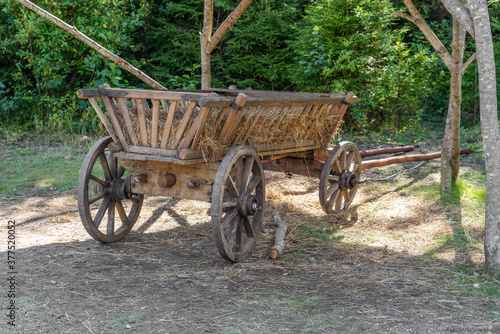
419	21
468	62
404	16
228	23
93	44
461	13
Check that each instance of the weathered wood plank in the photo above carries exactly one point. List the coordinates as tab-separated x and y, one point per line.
183	125
154	123
128	121
209	101
168	124
110	107
137	93
141	115
103	119
151	150
232	119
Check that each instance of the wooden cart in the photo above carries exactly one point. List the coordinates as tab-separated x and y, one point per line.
211	146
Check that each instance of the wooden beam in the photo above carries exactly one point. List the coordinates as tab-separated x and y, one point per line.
406	158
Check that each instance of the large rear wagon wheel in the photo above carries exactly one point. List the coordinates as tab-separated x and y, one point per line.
238	203
108	213
338	183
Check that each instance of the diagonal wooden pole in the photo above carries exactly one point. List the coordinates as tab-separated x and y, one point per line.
93	44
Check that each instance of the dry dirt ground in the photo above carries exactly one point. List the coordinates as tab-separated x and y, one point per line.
166	276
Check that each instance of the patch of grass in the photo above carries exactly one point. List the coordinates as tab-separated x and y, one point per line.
38	170
473	281
321	231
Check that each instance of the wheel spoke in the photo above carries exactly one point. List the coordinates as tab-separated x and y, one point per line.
247	172
239	173
97	180
113	166
336	167
231	233
228	217
122	213
332	199
105	166
102	210
338	202
229	204
231	187
349	159
347	196
343	160
248	227
335	178
111	220
331	190
239	236
97	197
254	183
121	170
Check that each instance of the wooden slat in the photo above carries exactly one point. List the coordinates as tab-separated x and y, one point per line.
340	114
233	119
183	125
241	134
187	154
142	122
221	117
103	119
316	117
128	122
151	157
154	123
285	113
168	124
195	129
151	150
209	101
110	107
137	93
254	123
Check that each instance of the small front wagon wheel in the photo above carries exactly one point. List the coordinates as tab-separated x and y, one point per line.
107	212
238	203
341	172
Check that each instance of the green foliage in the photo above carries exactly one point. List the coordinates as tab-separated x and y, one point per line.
42	65
355	45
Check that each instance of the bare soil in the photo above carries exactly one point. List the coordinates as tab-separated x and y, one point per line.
167	277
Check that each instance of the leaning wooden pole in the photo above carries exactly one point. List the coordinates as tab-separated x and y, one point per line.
406	158
93	44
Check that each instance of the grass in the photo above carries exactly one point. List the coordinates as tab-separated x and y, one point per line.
39	169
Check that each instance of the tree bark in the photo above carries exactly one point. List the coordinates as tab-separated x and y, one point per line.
450	161
206	34
279	237
209	42
490	131
93	44
461	13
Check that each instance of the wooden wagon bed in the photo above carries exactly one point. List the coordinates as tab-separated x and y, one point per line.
187	127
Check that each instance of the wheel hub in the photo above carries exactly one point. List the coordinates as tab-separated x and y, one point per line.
248	205
347	180
121	189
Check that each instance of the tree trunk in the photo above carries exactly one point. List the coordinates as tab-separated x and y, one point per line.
489	129
450	161
206	34
93	44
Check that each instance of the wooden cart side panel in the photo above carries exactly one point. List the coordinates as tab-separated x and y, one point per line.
128	121
154	123
168	124
112	112
339	114
183	125
103	118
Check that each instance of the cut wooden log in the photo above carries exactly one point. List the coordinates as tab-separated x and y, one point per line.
378	151
406	158
279	237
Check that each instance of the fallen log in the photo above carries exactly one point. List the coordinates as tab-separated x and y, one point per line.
378	151
406	158
279	237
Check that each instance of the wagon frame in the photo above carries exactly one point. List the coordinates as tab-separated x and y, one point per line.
146	155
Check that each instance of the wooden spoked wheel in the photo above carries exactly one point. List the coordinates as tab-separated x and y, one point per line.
339	178
238	203
107	211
